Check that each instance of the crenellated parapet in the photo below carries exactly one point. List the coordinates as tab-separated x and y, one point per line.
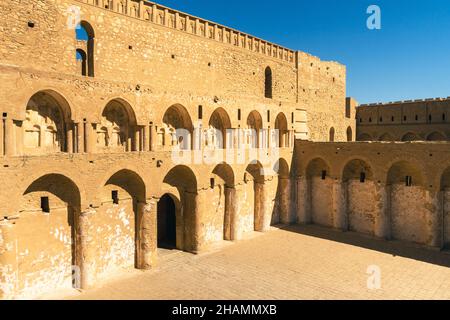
174	19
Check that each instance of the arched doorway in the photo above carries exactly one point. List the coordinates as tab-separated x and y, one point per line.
255	175
187	228
167	223
222	182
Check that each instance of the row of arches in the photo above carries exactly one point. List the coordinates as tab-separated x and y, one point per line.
406	137
126	222
402	208
48	127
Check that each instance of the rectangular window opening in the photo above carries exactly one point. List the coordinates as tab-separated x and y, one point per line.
45	204
362	177
408	181
115	196
324	174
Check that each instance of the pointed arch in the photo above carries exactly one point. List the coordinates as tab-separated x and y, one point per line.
254	124
47	119
282	128
219	123
178	125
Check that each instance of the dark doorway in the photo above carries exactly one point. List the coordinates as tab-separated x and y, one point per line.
167	236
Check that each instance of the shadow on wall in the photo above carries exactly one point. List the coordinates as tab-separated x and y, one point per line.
394	248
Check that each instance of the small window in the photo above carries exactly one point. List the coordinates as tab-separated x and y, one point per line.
362	177
292	117
239	114
45	205
417	118
324	174
392	119
85	33
200	112
370	120
381	119
404	118
115	196
268	115
212	183
268	83
443	117
360	120
408	181
430	118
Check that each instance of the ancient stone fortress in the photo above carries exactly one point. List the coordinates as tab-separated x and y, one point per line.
140	127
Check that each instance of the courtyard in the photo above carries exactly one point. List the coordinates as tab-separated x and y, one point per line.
294	262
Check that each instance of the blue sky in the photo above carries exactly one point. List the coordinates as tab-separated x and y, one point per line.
409	58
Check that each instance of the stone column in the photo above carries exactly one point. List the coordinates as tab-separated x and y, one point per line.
70	138
230	214
192	214
147	240
88	137
86	251
340	205
303	201
147	146
152	137
80	137
382	220
9	137
259	206
285	192
435	206
137	139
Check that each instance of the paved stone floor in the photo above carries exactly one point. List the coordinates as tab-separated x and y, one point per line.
290	263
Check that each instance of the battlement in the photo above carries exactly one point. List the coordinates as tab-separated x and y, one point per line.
164	16
377	104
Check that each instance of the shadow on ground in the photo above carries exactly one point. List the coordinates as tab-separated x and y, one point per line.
395	248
